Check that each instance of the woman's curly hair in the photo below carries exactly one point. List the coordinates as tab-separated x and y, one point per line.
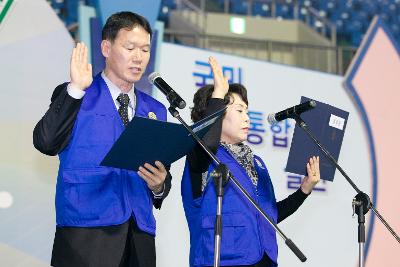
203	95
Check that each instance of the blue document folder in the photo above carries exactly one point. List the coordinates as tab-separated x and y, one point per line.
328	124
146	140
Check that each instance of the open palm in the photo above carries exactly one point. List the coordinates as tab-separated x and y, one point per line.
80	69
221	85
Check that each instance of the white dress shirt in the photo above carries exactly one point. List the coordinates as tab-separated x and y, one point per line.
114	91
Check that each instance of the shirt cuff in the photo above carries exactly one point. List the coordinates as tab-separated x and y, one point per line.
301	194
75	92
159	195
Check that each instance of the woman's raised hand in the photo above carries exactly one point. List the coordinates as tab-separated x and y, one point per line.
221	85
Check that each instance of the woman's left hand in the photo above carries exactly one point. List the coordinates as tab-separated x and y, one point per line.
313	176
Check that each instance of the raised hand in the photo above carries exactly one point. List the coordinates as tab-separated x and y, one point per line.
221	85
313	175
80	69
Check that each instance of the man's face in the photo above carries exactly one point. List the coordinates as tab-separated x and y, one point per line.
127	57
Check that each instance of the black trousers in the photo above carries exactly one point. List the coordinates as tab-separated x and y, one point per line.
265	262
110	246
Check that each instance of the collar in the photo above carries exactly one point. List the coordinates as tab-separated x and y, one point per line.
115	91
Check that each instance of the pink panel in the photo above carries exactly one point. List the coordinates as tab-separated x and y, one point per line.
377	83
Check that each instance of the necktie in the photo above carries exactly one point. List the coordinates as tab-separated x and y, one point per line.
123	100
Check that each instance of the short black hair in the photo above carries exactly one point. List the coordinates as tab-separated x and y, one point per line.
123	20
203	95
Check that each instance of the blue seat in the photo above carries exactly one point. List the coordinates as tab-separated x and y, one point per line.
360	13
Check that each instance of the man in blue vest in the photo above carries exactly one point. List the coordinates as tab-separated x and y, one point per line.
104	215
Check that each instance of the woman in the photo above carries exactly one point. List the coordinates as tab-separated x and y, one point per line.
247	239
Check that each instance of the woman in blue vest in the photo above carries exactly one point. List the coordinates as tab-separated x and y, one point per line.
247	239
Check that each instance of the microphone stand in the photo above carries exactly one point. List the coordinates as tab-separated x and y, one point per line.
361	202
220	175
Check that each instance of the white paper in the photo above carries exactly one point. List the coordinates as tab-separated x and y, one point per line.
336	122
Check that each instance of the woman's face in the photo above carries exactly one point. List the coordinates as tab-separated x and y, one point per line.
235	125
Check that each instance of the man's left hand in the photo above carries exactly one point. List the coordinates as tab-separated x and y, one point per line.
154	176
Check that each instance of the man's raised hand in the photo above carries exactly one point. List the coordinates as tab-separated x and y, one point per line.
80	69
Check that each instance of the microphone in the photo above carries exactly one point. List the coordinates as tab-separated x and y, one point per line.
291	112
173	98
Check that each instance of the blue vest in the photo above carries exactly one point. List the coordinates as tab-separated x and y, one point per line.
87	194
246	236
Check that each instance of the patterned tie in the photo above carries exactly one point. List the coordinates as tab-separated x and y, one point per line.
123	100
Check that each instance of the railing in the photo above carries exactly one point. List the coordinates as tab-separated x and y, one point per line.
199	8
310	16
331	59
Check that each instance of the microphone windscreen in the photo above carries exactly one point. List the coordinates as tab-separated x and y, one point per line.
153	76
271	119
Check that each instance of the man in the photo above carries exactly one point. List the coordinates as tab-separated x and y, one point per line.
104	215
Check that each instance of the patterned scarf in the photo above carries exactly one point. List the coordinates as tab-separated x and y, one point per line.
244	156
